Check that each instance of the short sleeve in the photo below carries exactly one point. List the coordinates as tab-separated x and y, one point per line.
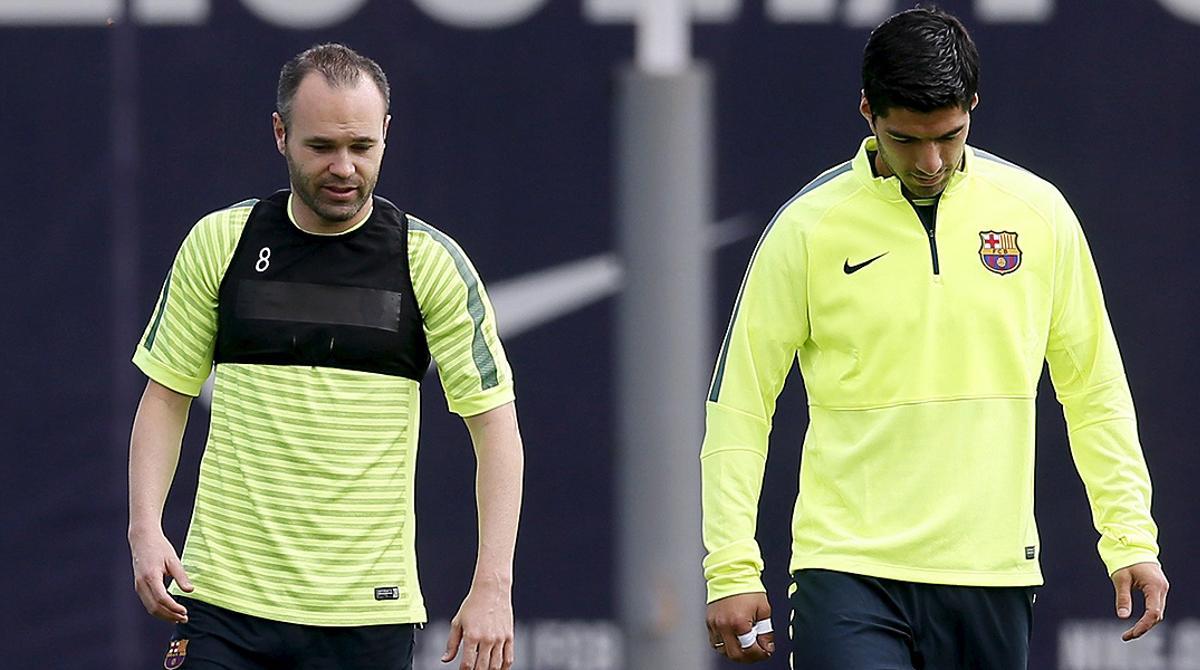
176	349
460	323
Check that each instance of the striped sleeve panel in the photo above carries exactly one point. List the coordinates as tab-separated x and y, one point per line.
176	348
460	324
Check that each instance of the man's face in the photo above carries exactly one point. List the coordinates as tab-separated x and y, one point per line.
333	146
923	149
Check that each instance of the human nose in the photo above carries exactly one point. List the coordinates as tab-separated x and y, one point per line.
929	160
342	167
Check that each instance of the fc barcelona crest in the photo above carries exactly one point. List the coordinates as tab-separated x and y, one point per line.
999	251
176	654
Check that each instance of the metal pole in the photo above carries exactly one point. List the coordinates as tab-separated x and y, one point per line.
665	208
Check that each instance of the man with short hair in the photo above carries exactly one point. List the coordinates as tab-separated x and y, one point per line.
920	285
320	307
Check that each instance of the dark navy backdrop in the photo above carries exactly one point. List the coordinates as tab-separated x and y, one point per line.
116	139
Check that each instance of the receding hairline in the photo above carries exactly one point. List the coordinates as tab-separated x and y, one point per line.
339	84
316	109
339	66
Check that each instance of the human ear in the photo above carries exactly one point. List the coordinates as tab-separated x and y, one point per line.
280	132
864	108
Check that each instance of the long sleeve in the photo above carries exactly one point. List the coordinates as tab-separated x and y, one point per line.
1090	382
768	325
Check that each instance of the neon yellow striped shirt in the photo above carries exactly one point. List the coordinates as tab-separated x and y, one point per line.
305	499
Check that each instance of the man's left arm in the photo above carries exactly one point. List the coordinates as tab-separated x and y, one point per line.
460	327
1089	379
484	622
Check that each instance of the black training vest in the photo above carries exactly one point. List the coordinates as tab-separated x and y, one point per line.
340	301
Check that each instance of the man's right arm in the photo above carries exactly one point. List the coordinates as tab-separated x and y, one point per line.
153	456
175	352
768	325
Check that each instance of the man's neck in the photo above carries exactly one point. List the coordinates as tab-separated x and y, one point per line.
308	221
879	165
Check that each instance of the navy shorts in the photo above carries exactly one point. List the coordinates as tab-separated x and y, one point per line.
215	638
843	621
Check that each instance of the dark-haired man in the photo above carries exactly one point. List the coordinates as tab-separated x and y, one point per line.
920	285
320	307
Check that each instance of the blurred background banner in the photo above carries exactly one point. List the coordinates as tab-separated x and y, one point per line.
124	121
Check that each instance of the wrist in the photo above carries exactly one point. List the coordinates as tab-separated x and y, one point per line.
492	580
142	528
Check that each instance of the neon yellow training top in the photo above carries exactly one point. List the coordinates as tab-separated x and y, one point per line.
920	355
304	508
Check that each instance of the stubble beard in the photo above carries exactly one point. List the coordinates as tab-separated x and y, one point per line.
308	190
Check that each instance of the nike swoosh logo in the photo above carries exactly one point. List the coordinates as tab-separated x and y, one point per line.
851	269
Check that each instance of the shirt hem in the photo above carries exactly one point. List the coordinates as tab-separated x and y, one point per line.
413	615
165	376
921	575
483	402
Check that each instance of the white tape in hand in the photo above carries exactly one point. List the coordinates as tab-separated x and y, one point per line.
747	640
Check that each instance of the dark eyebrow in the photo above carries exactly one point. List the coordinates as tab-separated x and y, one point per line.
903	136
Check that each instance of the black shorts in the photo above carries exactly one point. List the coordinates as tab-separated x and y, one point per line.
842	621
215	638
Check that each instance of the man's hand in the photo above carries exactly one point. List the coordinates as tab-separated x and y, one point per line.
1150	580
153	559
484	627
736	615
